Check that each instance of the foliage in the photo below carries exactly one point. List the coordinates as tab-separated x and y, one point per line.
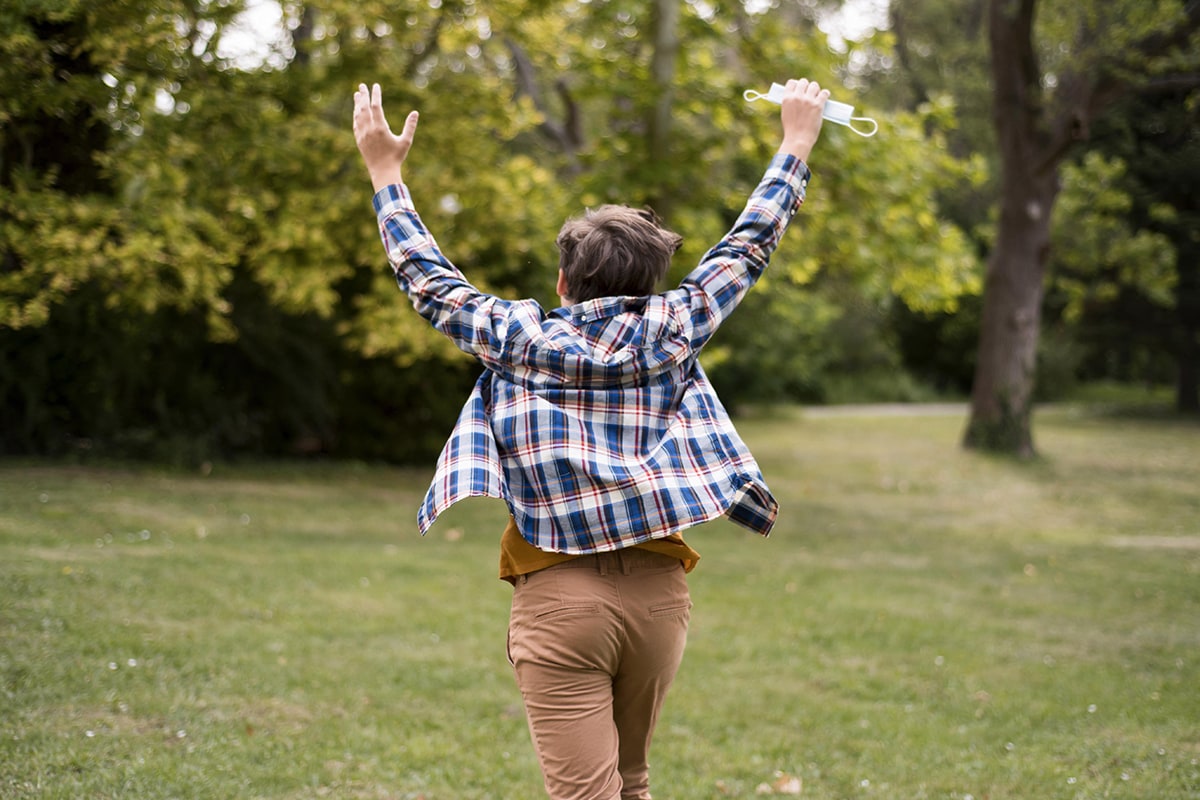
1101	260
939	349
940	54
212	215
940	50
1055	71
206	286
1153	141
190	231
1101	254
871	237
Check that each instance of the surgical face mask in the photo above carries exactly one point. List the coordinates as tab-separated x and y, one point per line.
834	111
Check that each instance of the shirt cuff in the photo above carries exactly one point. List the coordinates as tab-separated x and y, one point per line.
391	199
792	170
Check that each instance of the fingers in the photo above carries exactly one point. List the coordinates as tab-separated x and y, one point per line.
803	87
801	112
368	109
410	126
362	101
371	129
369	99
377	114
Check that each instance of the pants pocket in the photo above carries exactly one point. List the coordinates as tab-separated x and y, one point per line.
574	610
675	609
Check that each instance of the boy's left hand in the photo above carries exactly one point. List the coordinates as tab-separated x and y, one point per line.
800	111
383	151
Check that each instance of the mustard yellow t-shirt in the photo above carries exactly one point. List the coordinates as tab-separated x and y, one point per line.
518	557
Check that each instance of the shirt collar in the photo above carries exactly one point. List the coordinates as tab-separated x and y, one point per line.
600	308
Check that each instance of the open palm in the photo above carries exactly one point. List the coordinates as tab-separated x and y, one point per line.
383	151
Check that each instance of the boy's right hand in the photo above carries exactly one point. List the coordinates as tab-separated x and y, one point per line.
800	113
383	151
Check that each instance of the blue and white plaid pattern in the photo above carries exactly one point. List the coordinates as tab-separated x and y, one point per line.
596	423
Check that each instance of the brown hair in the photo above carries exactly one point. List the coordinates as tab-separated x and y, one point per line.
613	251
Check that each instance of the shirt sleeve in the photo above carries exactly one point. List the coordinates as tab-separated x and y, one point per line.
477	322
714	288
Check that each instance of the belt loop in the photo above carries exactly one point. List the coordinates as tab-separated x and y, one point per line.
626	566
601	563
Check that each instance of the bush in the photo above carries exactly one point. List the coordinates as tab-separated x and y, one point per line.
101	382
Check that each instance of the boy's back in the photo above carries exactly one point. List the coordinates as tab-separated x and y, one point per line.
595	421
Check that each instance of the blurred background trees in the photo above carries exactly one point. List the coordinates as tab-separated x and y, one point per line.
189	266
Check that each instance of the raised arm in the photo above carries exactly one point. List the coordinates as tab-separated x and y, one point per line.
718	284
475	321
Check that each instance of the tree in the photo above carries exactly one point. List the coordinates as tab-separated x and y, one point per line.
873	237
1143	265
1045	101
194	263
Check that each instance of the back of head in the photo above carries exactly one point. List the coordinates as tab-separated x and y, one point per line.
613	251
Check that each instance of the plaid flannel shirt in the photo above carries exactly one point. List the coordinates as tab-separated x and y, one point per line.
596	423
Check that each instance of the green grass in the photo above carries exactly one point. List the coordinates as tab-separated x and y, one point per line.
923	623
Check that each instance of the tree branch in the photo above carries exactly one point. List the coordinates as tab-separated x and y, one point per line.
430	45
1084	99
1172	83
665	38
899	25
573	125
1016	86
567	135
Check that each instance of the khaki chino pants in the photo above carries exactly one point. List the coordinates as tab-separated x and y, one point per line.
595	643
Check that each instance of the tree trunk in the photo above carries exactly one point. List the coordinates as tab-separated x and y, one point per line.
1187	385
1187	303
1033	140
665	35
1002	393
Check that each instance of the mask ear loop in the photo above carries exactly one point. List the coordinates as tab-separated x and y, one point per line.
751	95
864	133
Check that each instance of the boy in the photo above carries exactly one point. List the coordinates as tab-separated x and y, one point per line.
597	426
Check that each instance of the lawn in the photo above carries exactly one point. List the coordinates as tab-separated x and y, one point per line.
923	623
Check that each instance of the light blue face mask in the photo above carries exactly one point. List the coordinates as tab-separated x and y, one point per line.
834	111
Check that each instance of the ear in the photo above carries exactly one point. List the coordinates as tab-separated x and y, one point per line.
561	287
